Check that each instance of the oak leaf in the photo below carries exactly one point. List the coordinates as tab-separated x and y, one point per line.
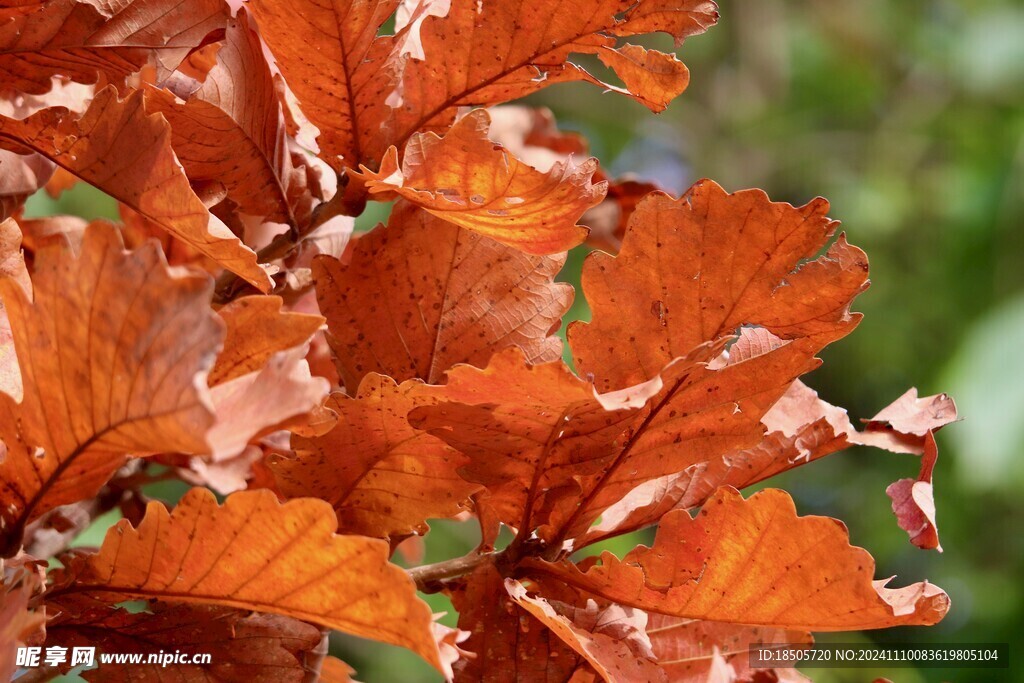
263	648
696	269
230	131
525	430
152	182
12	265
686	649
113	348
466	179
254	553
555	455
383	477
509	644
18	621
801	428
611	638
754	562
423	295
338	83
494	52
257	328
82	40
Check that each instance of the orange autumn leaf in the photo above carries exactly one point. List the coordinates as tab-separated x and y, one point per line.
466	179
110	129
18	620
422	295
383	477
262	401
112	349
255	553
686	649
555	455
495	52
754	562
508	644
520	426
450	55
338	83
696	269
611	638
801	428
83	40
262	648
12	265
257	328
230	131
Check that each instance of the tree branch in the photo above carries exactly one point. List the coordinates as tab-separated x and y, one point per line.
429	577
349	200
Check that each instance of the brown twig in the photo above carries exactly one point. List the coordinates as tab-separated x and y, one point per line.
429	577
349	200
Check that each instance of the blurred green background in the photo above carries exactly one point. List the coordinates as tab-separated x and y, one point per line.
909	117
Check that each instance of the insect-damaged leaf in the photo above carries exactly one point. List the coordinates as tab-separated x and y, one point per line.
81	40
695	269
466	179
423	295
95	147
754	561
383	477
113	349
254	553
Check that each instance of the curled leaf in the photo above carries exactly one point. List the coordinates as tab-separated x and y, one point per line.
466	179
94	147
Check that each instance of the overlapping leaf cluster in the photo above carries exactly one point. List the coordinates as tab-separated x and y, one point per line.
230	332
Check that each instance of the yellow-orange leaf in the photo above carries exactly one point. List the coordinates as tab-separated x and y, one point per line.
698	268
255	553
113	350
756	562
466	179
127	153
423	295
